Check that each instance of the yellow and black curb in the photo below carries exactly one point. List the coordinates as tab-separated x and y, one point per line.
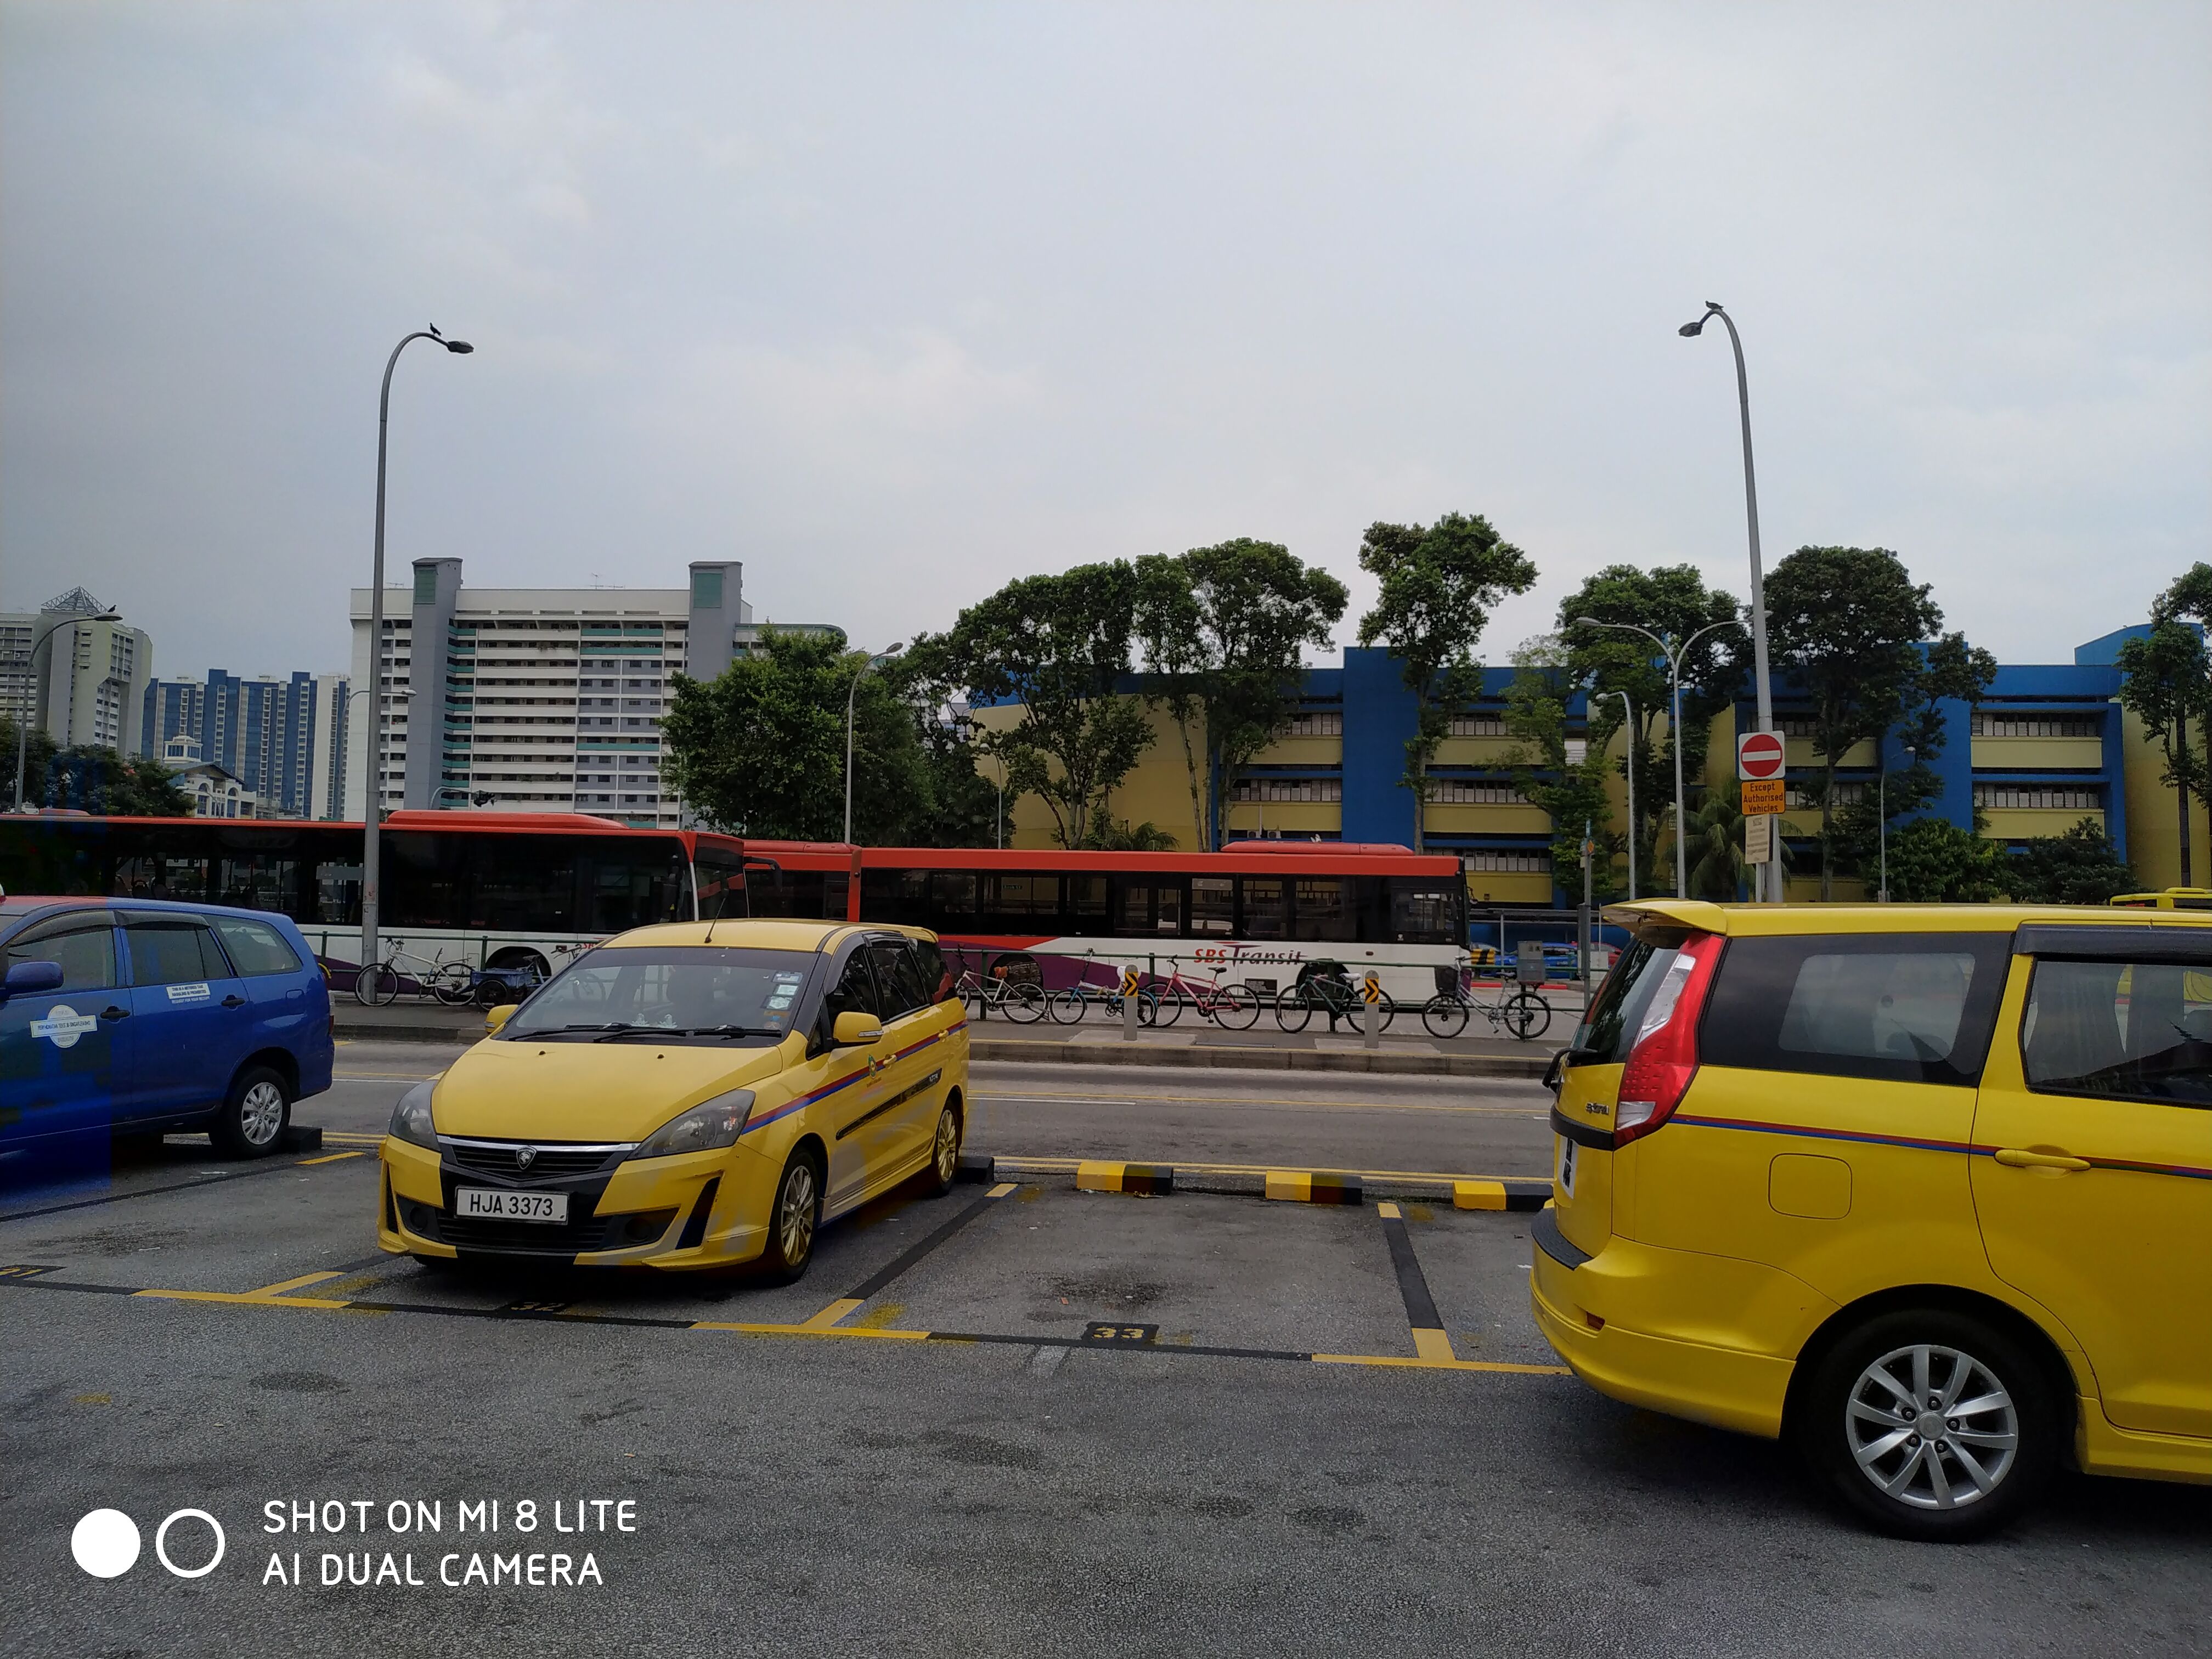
1315	1187
1500	1195
1144	1179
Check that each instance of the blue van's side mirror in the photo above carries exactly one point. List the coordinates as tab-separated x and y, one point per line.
28	978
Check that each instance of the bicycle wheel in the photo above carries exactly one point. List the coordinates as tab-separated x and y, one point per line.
973	1000
1233	1010
375	984
1385	1012
1067	1008
1023	1004
1148	1010
1527	1015
450	984
1292	1011
1445	1017
1171	1005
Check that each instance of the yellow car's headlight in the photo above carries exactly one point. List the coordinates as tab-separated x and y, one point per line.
716	1122
411	1118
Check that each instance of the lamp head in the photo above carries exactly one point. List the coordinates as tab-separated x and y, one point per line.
458	348
1691	331
1586	622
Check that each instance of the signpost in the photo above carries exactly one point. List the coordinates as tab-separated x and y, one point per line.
1759	758
1370	994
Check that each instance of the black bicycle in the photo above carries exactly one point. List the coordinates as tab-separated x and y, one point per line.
1324	988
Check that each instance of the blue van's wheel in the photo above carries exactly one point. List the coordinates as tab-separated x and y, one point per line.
252	1118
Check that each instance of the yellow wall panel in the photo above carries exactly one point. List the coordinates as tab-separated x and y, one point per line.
2038	754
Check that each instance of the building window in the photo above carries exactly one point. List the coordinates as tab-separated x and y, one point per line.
1329	725
2003	796
1844	794
1287	789
1515	864
2038	726
1454	792
706	590
1478	725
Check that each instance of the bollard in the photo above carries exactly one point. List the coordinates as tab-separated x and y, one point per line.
1370	990
1129	1003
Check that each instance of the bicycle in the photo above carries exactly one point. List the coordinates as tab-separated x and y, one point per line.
1230	1006
1328	990
1070	1005
1022	1003
1524	1014
377	983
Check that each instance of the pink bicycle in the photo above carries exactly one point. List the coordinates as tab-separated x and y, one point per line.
1230	1006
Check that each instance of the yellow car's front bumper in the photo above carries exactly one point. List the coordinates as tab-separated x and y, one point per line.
696	1209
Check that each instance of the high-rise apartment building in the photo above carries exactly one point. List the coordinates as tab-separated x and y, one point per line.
536	700
284	740
90	673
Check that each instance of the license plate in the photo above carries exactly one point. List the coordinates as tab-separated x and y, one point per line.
1566	1166
476	1201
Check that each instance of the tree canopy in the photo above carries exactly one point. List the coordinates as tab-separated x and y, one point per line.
2078	866
1851	625
1439	586
89	778
1223	631
2164	683
1058	648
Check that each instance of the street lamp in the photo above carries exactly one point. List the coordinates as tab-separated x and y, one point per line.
1881	806
1675	654
371	847
885	655
1766	691
42	636
1628	726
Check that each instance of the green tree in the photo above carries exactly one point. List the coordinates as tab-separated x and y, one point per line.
760	749
959	806
91	778
1223	630
1950	669
1848	624
2164	683
1674	603
1713	843
1438	588
2080	866
1570	791
1933	861
1057	647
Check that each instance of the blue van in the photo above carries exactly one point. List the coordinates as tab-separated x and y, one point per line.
145	1017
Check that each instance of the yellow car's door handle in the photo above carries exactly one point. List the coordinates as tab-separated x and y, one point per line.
2015	1158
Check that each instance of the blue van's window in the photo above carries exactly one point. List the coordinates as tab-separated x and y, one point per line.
84	945
256	947
174	950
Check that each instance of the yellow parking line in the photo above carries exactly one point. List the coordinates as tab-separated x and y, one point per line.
830	1315
1003	1188
808	1329
1060	1165
1242	1100
301	1283
249	1298
330	1158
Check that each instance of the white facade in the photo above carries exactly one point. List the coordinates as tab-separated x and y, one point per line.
532	700
328	750
93	674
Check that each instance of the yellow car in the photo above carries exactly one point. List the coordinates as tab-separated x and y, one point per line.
694	1095
1927	1189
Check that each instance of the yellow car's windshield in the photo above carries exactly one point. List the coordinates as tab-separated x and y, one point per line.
673	992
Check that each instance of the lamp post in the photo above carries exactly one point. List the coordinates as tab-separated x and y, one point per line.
1675	654
1881	828
373	815
1628	726
1765	688
890	651
42	637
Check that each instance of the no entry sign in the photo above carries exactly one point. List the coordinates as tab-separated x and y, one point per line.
1758	757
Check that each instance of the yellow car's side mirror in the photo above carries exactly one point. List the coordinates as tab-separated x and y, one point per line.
498	1017
856	1030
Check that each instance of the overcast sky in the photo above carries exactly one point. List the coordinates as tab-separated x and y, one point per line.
896	303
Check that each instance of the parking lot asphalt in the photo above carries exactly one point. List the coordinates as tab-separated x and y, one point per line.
1022	1418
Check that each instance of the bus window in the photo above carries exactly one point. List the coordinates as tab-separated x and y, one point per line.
896	895
951	894
1211	909
1086	898
1267	911
527	884
634	884
337	896
421	879
1030	904
1424	913
721	881
837	892
153	877
1320	911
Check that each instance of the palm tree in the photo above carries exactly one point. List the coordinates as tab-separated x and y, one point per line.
1715	846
